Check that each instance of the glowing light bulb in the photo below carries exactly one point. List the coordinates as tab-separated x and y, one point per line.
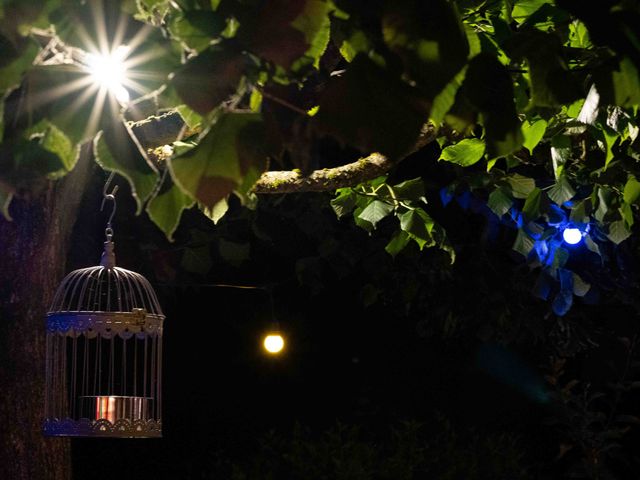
273	343
572	235
109	71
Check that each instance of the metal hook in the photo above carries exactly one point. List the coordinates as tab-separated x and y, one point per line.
111	197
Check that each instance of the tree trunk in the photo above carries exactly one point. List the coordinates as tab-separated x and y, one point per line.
32	262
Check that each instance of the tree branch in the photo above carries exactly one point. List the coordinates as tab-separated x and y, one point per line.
156	131
328	179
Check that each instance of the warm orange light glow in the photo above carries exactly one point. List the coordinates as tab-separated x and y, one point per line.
273	343
106	408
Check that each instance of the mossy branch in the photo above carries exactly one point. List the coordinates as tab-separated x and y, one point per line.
329	179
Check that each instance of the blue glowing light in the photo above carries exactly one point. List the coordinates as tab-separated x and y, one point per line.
572	235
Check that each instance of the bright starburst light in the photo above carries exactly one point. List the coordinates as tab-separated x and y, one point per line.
110	67
109	71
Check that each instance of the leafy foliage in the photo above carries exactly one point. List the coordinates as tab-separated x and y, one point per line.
532	88
372	202
407	452
535	104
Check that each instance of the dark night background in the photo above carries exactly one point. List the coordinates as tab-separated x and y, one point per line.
405	368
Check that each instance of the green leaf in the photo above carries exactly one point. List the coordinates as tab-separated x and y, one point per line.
5	201
197	259
560	258
418	225
580	287
234	253
390	125
15	64
314	22
443	102
411	190
375	211
360	222
523	9
234	148
196	28
618	231
591	245
289	34
552	84
464	153
631	190
489	89
369	294
397	243
605	200
579	35
217	212
345	202
255	101
55	141
627	214
191	118
575	108
610	138
475	45
117	150
533	133
523	243
165	209
209	78
150	4
622	83
560	153
445	244
580	211
562	191
355	42
25	165
499	202
534	204
430	39
1	119
521	186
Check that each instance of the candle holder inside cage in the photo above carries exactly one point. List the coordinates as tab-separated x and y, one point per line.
104	354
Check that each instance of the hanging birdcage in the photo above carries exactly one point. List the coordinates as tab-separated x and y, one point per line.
104	353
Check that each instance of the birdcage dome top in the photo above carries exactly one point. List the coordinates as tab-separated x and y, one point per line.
105	299
103	289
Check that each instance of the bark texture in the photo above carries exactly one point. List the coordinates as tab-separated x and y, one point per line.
32	263
327	179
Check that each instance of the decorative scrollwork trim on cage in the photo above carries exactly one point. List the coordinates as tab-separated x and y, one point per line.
123	324
102	428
